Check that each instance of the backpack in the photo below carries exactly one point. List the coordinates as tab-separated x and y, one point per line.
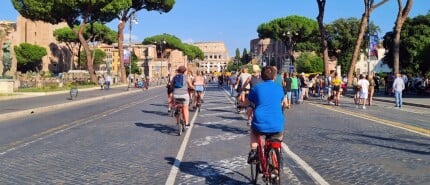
178	81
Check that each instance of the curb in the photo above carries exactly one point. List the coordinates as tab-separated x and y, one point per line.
392	101
28	112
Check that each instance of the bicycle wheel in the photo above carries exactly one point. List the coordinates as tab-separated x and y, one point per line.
274	165
255	170
179	124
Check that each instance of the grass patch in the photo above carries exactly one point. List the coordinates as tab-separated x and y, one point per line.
55	88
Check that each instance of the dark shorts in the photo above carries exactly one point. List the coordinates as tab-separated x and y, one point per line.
336	88
277	136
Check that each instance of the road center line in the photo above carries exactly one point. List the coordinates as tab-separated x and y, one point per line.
407	127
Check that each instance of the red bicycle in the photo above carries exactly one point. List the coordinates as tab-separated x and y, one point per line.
269	162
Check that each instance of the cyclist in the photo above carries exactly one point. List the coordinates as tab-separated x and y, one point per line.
266	98
181	83
253	80
191	91
244	90
199	83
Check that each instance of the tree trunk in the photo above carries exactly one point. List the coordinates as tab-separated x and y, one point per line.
121	26
369	7
356	53
324	47
401	17
84	43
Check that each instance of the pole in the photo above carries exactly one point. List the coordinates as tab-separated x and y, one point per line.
129	49
368	32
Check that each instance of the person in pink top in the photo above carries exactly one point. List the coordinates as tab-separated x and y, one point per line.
199	84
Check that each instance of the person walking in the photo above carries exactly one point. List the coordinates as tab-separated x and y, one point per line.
232	79
108	80
363	85
372	85
295	88
101	82
287	90
336	83
398	87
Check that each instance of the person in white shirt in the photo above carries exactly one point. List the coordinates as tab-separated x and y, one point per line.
398	87
363	85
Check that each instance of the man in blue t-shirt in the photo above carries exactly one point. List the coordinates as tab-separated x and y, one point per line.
266	97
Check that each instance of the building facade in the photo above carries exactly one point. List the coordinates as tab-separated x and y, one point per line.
216	57
274	53
374	65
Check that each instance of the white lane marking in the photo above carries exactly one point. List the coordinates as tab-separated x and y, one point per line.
212	139
175	168
311	172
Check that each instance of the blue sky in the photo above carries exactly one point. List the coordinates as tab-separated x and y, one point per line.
235	22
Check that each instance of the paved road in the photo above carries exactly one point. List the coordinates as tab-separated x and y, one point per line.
127	138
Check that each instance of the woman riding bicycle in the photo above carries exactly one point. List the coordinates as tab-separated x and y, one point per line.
266	97
199	83
181	83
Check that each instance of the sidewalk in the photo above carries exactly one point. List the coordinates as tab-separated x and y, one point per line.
412	100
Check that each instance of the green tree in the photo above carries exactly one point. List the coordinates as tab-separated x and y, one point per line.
97	54
309	63
173	42
415	46
94	33
306	29
74	13
29	57
341	38
161	6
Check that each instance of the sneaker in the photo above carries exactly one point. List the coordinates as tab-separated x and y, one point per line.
169	109
252	156
248	123
364	107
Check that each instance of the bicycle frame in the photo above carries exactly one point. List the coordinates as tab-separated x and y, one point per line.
263	154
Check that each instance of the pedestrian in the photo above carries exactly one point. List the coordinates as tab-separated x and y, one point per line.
287	90
266	97
372	85
377	80
295	88
356	89
108	80
398	87
363	86
232	79
101	82
336	83
304	81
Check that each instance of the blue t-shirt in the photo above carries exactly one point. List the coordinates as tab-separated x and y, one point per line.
267	97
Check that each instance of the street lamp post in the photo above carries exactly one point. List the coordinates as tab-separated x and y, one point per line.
370	43
289	44
133	19
160	51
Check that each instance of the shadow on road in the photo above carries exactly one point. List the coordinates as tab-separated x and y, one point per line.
159	127
200	171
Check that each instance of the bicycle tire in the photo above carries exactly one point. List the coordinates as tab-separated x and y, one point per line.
255	169
274	165
179	124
